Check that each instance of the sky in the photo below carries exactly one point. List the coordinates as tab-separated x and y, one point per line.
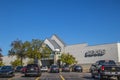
74	21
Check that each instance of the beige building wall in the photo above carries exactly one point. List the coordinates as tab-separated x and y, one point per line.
7	60
118	51
79	51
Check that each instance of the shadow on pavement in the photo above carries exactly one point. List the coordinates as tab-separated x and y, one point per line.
89	78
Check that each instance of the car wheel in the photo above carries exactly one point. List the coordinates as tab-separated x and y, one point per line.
118	78
12	75
38	75
81	71
25	75
100	77
93	76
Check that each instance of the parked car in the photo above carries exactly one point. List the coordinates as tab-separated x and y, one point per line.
6	71
23	69
106	69
54	68
66	68
77	68
44	69
18	68
32	70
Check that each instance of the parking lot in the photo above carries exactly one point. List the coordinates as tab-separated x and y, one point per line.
53	76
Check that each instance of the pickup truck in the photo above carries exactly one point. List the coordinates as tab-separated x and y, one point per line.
106	69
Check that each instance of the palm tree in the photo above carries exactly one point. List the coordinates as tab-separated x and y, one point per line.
18	50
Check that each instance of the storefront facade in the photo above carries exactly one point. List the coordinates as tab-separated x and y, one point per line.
86	54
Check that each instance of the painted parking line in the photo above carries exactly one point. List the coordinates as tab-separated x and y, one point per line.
10	78
38	78
62	77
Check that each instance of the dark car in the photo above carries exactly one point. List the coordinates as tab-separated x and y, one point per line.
106	69
32	70
6	71
77	68
66	68
18	68
54	68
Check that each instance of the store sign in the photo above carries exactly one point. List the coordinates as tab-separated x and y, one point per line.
95	53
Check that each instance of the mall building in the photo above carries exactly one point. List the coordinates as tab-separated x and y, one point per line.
83	53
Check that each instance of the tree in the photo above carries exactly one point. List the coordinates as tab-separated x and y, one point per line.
67	59
37	49
1	63
15	63
33	49
45	51
18	50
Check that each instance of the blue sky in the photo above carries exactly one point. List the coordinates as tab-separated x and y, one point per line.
74	21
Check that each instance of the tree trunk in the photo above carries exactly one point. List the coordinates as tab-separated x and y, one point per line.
21	61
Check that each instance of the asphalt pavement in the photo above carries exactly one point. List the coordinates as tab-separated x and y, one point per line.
54	76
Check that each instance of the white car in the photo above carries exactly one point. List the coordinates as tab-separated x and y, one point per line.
44	69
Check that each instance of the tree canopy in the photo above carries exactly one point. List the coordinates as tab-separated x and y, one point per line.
15	63
1	63
34	49
45	51
18	49
68	59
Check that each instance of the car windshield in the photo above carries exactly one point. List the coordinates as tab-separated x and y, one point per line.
32	65
44	67
6	67
78	66
54	66
19	67
109	62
